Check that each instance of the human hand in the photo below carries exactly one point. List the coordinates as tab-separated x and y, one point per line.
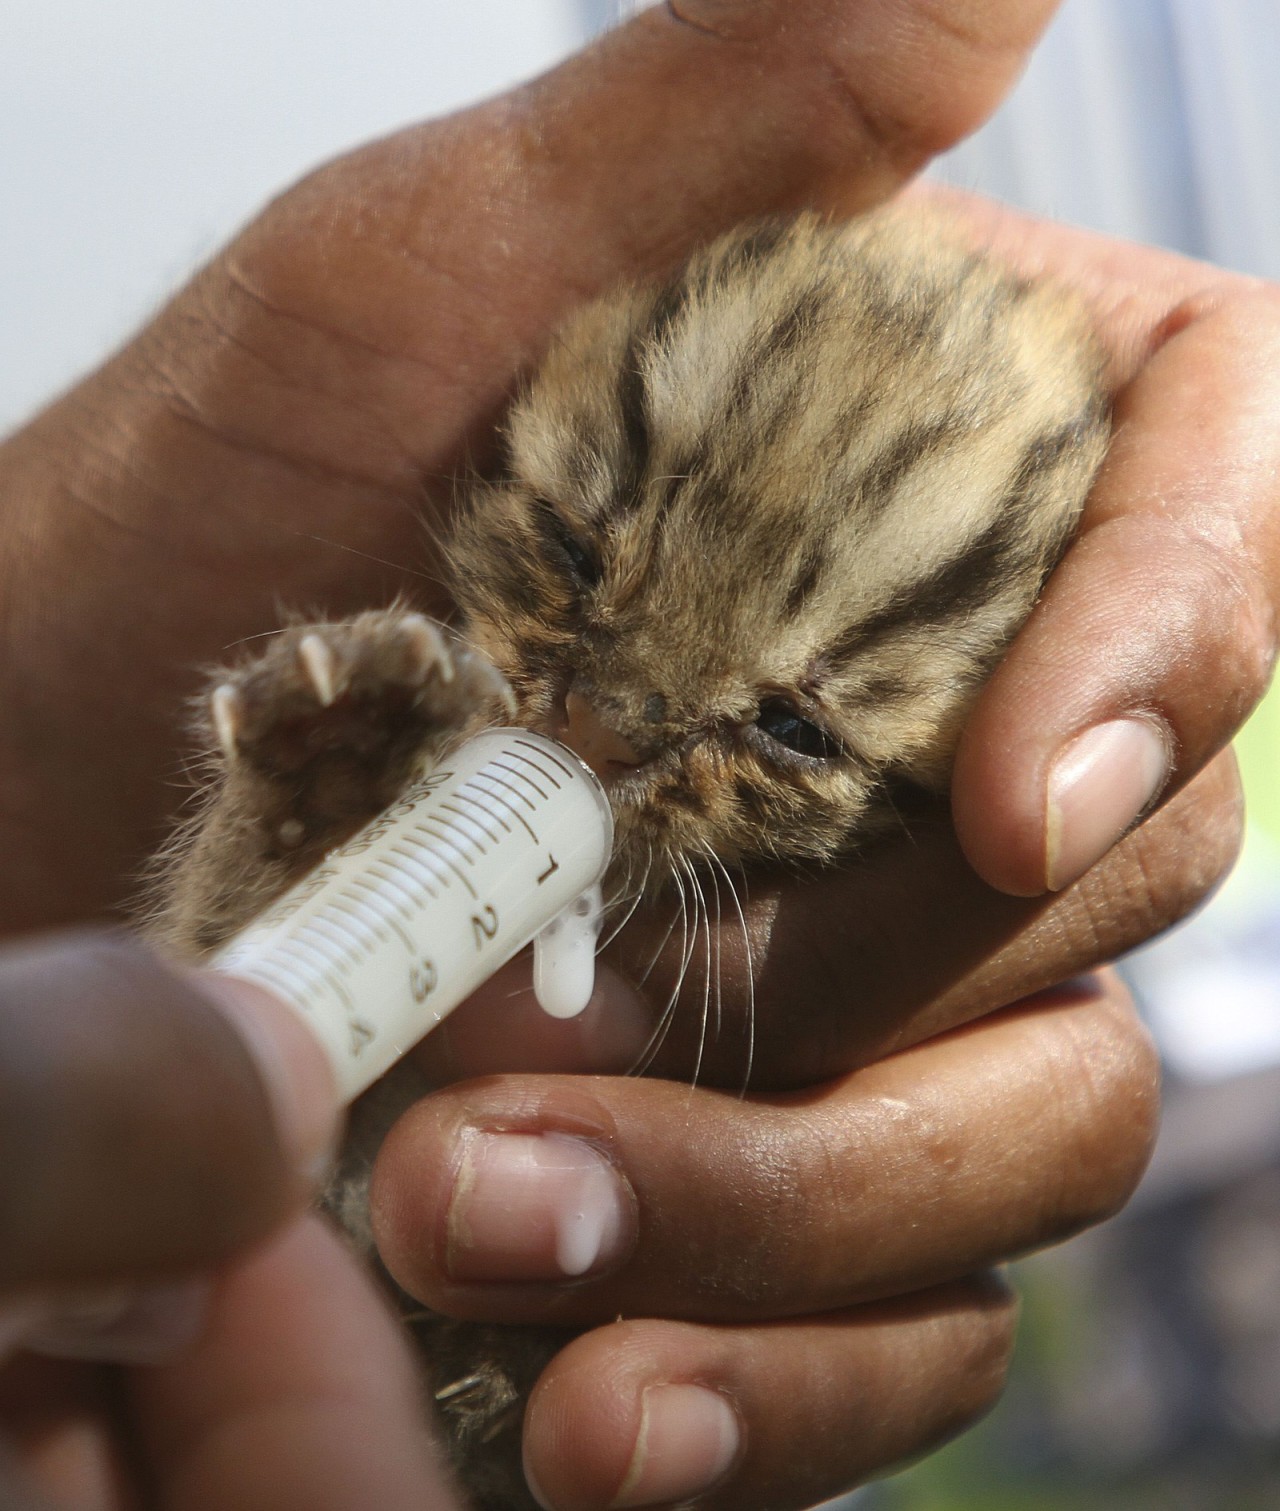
359	338
150	1217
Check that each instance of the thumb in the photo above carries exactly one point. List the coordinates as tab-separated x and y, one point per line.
145	1128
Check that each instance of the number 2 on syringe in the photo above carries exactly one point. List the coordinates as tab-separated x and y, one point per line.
485	924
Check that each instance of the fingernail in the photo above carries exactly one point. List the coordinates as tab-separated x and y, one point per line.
1098	786
147	1326
689	1438
536	1207
294	1069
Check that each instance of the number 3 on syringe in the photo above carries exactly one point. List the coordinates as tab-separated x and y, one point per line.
423	980
485	923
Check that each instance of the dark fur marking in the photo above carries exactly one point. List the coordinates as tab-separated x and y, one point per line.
684	473
759	804
835	444
682	795
807	578
907	322
718	494
953	587
520	585
581	454
667	309
910	447
781	339
759	244
1046	451
876	692
633	410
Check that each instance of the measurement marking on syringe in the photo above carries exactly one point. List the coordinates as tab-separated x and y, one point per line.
312	984
497	802
479	795
461	821
305	980
453	840
377	915
422	867
541	770
474	813
524	777
508	805
269	972
523	796
361	915
400	899
414	868
465	830
308	938
333	954
555	760
363	884
349	945
443	834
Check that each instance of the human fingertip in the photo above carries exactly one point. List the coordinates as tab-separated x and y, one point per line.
295	1071
687	1440
147	1325
536	1207
1098	787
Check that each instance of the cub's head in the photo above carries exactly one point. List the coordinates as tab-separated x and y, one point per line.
763	531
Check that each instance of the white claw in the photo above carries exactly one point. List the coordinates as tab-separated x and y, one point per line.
428	643
503	689
317	662
225	708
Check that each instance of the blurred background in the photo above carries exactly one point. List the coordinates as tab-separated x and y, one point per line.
136	137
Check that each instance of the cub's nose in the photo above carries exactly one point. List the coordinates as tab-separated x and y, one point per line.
607	752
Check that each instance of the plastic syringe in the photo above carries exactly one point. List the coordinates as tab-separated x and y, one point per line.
505	843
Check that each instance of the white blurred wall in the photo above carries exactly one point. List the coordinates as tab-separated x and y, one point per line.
1157	120
136	135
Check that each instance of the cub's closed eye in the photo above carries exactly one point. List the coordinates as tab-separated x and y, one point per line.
790	729
581	560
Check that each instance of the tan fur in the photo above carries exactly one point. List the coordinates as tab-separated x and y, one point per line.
775	522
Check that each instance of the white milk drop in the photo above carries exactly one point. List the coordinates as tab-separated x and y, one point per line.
564	956
506	842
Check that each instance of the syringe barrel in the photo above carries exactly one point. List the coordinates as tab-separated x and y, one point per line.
400	924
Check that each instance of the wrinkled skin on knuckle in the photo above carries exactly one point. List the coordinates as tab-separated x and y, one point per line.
1203	655
990	1347
956	1371
873	56
1107	1100
1181	855
1155	877
769	1161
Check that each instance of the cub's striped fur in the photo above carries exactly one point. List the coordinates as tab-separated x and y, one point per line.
762	532
778	519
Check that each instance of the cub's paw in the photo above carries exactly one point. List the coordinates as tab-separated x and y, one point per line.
330	723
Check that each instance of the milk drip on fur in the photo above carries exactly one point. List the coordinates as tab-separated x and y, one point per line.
506	842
